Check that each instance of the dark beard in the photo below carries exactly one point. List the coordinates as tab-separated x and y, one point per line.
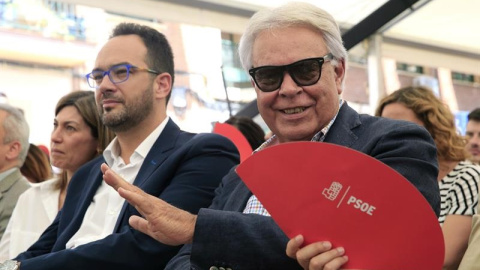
131	114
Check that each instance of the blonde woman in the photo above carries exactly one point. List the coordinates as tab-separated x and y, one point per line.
458	178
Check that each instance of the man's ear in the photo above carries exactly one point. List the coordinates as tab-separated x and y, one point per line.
14	150
339	75
163	85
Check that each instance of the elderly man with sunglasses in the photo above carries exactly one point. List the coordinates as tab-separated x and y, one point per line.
297	62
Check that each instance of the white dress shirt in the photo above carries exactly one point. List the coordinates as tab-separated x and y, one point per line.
35	210
102	214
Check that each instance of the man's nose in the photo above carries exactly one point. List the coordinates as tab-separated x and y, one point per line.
106	82
289	86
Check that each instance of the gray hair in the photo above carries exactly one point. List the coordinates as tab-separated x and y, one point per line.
16	129
292	14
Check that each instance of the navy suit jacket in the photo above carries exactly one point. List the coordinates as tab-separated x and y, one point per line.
181	168
224	237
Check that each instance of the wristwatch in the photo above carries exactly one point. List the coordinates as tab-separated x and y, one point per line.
10	265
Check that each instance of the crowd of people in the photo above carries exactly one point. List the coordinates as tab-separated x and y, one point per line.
134	191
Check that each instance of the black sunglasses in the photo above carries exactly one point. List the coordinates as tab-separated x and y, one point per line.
304	72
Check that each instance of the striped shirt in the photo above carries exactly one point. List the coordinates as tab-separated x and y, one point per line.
459	191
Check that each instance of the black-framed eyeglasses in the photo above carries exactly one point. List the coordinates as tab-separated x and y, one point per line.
304	72
116	74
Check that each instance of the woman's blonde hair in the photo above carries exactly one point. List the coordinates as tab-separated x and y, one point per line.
436	117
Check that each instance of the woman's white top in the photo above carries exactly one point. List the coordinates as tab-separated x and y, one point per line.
35	210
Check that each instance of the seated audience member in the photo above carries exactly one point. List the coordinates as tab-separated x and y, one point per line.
471	258
133	77
78	136
14	132
473	135
251	130
297	61
36	167
458	178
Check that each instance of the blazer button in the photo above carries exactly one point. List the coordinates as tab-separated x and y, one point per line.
213	268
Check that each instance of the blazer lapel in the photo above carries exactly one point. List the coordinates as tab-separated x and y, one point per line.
341	132
241	194
158	153
238	194
156	156
83	195
8	181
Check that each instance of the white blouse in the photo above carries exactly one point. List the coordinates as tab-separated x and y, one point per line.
35	210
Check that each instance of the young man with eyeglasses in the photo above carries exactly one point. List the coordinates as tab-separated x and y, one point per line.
297	62
133	78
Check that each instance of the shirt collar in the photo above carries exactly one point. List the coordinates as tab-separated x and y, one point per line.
112	152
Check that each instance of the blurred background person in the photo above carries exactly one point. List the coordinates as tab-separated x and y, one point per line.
78	136
471	259
251	130
14	133
3	98
45	150
36	167
473	135
458	178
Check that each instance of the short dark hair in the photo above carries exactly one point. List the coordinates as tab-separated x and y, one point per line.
474	115
159	53
251	130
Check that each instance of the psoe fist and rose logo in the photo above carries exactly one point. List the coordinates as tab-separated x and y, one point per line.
335	189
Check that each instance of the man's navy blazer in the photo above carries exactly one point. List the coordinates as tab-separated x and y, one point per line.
181	168
250	241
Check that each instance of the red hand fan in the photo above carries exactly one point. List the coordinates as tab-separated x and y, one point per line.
236	137
329	192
